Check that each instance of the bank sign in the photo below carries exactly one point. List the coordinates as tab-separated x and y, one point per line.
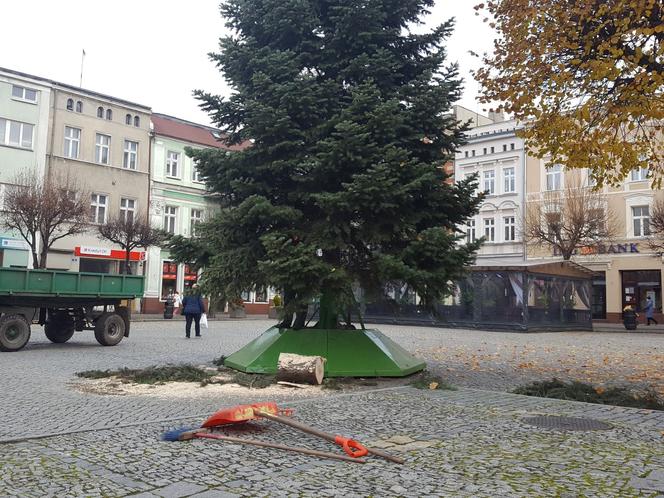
632	247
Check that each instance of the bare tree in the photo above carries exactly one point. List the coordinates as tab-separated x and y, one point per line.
656	227
569	220
129	231
44	210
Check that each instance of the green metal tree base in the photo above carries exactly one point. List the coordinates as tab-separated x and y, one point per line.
349	353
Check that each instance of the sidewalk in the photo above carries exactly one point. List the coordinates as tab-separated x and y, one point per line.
468	443
143	317
619	327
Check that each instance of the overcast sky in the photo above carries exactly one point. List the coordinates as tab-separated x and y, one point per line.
154	52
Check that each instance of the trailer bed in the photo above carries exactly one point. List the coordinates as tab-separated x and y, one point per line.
19	282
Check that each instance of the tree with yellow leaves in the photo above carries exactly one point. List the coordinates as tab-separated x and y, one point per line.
588	78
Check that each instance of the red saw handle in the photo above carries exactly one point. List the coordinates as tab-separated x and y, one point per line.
351	447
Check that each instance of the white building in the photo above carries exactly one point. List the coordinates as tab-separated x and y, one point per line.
497	156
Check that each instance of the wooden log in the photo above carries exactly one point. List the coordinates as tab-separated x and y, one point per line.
300	369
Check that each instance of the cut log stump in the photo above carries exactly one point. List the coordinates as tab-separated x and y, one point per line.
300	369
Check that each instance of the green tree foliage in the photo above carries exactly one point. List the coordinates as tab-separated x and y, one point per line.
345	114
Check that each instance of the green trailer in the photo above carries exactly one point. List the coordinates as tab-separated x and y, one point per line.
64	302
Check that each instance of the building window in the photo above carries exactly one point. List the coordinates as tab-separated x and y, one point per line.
103	149
641	219
22	93
79	106
72	142
260	295
169	278
472	153
70	104
510	179
137	121
511	146
190	276
130	154
470	231
127	209
510	228
196	218
170	215
504	147
100	112
490	182
484	151
466	153
128	119
493	149
640	174
16	134
109	114
489	229
173	164
553	225
98	206
554	177
195	174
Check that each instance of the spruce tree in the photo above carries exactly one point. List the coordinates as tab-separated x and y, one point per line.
345	114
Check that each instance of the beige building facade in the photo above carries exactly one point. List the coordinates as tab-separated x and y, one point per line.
103	143
627	270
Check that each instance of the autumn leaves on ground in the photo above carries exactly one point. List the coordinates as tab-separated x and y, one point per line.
503	361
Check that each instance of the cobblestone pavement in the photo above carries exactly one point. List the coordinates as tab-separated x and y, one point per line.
456	443
463	443
37	399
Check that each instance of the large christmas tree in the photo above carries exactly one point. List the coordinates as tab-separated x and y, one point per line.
347	113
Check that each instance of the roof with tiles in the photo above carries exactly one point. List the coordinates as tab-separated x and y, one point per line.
169	126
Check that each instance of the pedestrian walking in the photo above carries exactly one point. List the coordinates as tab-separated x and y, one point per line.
192	309
650	311
177	302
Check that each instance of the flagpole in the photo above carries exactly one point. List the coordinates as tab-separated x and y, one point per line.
82	57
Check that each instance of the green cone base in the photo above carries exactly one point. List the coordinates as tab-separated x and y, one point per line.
349	353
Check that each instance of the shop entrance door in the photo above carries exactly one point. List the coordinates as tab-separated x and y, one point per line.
637	285
599	298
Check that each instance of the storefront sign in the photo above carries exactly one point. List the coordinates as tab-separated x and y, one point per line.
93	251
14	244
632	247
105	252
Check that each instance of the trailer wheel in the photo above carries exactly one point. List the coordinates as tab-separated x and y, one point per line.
14	332
109	329
59	328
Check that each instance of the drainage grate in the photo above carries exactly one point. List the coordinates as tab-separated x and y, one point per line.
567	423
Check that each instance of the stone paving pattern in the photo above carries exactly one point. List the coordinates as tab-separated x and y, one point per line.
468	442
456	443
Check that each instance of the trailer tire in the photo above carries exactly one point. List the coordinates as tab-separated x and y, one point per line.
109	329
59	328
14	332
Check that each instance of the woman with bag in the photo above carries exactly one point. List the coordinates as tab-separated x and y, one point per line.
192	309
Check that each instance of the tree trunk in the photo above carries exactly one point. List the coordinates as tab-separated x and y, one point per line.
300	319
287	320
43	256
301	369
329	313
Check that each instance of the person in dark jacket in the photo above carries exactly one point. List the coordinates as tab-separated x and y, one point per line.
650	311
192	309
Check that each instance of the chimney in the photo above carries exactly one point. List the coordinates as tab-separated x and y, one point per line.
496	116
